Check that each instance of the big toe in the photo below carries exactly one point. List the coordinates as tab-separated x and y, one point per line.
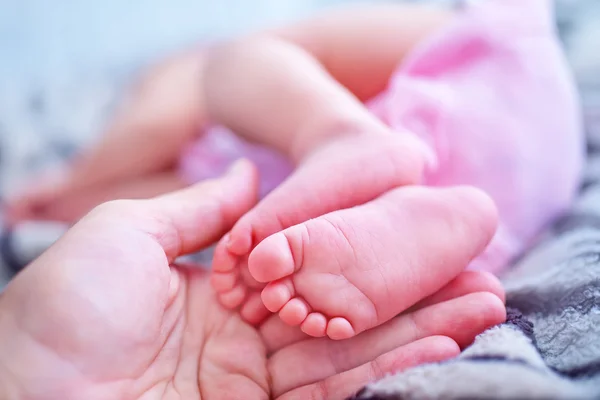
272	259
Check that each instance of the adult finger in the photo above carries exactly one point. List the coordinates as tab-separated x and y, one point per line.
191	219
278	335
342	385
465	283
461	319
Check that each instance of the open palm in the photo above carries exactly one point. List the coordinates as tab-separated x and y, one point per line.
106	314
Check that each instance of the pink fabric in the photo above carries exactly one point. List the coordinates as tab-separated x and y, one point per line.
218	148
492	97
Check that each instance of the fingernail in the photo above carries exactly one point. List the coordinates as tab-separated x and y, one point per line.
227	240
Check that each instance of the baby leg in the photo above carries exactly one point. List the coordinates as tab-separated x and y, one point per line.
72	205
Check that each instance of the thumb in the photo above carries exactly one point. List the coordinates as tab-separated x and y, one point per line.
191	219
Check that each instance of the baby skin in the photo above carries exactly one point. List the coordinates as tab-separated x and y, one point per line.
342	273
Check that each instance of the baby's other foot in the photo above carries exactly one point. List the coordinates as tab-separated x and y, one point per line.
354	269
347	171
30	202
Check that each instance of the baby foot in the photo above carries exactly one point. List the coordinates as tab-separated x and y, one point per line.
351	270
29	203
347	171
66	203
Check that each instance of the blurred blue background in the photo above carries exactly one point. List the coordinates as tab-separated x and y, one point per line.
41	39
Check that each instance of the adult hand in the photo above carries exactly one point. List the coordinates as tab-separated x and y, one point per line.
107	314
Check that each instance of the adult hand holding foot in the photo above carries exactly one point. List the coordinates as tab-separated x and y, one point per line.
107	314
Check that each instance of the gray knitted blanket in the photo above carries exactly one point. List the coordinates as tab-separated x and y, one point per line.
550	346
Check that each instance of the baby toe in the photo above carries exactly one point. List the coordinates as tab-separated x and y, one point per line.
315	325
277	294
294	312
340	328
